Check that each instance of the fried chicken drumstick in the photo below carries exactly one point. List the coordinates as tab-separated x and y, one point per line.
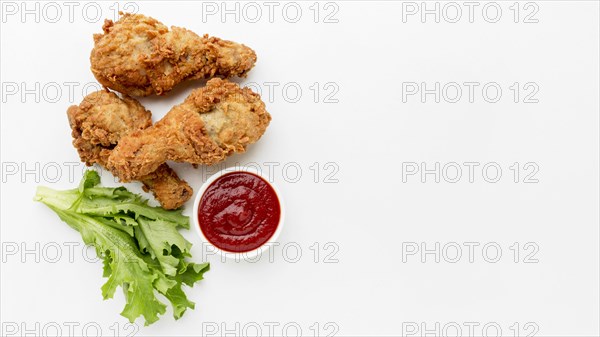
101	121
212	123
139	56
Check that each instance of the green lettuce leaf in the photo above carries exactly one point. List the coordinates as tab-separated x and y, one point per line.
159	238
176	296
142	250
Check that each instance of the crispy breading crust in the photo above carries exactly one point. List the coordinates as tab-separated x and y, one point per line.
166	186
140	56
98	124
212	123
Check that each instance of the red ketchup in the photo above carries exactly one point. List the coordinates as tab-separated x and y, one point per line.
239	212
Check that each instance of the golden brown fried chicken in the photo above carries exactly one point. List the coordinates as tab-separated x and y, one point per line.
140	56
98	124
212	123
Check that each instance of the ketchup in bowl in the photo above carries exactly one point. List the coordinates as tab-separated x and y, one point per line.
239	212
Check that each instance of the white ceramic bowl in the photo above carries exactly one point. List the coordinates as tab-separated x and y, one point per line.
252	255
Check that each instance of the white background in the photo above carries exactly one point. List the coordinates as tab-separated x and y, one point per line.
370	135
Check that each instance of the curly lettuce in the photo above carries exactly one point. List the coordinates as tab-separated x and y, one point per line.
141	247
